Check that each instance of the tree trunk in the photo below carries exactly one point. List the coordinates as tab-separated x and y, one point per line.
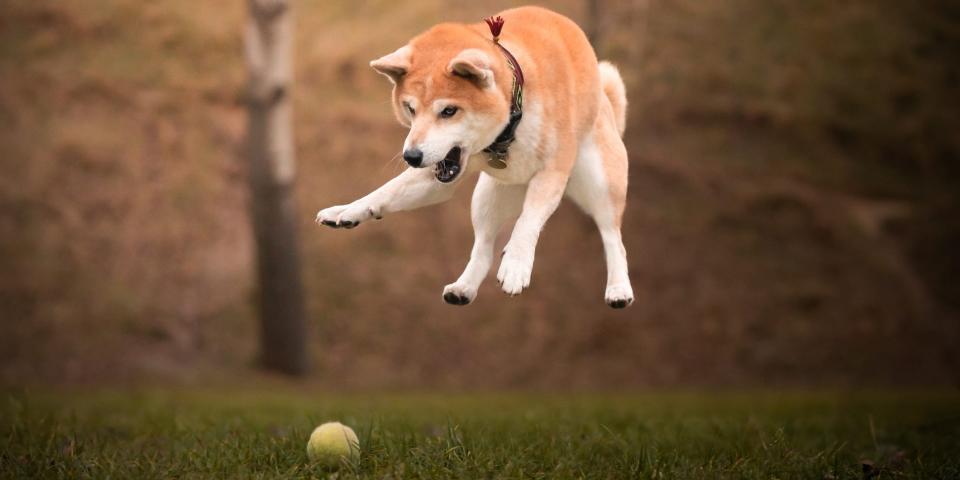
593	23
271	169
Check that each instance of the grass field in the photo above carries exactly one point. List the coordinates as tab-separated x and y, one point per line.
190	434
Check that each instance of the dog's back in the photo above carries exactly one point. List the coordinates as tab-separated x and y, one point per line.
559	54
458	88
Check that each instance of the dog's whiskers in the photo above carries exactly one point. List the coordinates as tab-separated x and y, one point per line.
391	161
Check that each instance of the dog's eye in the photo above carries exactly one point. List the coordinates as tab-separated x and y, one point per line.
448	112
410	109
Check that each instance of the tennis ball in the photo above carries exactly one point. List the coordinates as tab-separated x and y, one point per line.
332	441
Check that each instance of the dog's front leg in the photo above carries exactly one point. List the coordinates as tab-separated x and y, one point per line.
414	188
493	204
543	196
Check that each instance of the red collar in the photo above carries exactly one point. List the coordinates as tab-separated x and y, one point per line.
498	149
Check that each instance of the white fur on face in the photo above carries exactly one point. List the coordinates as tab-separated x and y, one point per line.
472	131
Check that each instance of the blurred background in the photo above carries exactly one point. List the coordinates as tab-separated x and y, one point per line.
792	218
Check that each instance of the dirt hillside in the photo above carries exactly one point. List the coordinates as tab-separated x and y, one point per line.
791	217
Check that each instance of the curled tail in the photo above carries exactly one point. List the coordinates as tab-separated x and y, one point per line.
616	93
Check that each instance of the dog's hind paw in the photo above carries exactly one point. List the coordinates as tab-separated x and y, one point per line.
619	296
456	294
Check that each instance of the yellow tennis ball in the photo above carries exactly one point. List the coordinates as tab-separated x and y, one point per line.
332	441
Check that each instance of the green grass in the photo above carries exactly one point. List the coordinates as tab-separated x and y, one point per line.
190	434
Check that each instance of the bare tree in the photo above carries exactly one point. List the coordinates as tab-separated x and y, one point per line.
268	40
593	22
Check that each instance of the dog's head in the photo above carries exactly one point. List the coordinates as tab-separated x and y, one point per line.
446	90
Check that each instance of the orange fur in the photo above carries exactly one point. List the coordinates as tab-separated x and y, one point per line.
568	142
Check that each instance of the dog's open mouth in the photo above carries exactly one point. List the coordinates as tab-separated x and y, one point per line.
449	167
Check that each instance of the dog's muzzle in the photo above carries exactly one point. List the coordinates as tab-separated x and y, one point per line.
449	168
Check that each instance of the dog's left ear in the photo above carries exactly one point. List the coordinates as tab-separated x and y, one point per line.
474	65
395	65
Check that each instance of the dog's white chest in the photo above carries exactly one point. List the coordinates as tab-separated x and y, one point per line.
524	158
520	167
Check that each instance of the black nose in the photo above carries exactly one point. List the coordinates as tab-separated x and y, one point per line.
413	156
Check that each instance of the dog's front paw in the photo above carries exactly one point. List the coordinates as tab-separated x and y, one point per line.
619	296
458	294
346	216
329	216
514	273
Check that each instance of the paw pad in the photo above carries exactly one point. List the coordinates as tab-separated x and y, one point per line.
454	299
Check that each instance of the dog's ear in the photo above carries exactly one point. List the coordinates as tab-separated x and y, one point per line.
474	65
395	65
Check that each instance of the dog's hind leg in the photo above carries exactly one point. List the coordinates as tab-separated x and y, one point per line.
493	204
598	184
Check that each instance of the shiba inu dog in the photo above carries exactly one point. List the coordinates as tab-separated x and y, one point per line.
534	112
